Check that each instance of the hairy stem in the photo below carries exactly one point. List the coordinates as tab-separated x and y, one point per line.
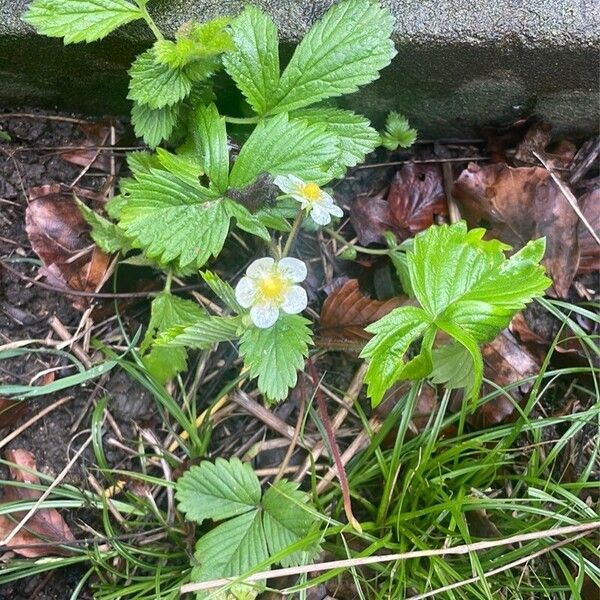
293	233
361	249
242	120
150	21
335	451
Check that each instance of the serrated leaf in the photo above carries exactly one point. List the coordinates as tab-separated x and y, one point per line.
156	84
274	355
201	334
398	132
186	166
80	20
167	311
467	288
142	162
108	236
218	491
212	136
286	521
248	221
346	49
452	367
269	149
231	549
173	220
394	333
212	37
254	65
222	289
354	134
154	125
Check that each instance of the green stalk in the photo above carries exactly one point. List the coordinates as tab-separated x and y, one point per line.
361	249
293	233
150	21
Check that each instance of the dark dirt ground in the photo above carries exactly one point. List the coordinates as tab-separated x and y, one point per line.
25	311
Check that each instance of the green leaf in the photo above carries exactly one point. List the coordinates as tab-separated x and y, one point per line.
281	146
274	355
80	20
231	549
155	84
212	36
108	236
346	49
167	311
154	125
254	65
222	290
398	133
394	333
184	166
247	221
218	491
466	287
202	334
355	137
173	220
287	520
213	142
453	367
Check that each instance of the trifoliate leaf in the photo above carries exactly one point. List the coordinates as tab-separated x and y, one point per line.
355	137
202	334
80	20
185	166
467	288
346	49
398	133
222	290
281	146
287	520
173	220
167	311
218	491
108	236
154	125
274	355
213	142
254	65
230	549
452	367
156	84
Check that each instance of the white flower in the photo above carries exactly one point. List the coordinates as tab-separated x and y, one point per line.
310	195
269	286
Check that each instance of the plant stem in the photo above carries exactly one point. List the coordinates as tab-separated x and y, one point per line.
293	233
169	281
335	451
361	249
150	21
242	120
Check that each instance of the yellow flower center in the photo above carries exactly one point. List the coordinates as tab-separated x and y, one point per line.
311	191
273	287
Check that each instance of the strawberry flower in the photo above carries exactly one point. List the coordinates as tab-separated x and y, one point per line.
310	196
269	287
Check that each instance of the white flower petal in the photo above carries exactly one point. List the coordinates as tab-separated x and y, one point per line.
295	300
289	184
326	199
264	315
293	269
261	267
245	292
320	215
336	211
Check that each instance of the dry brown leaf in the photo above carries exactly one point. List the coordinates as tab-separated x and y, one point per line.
11	411
521	204
345	314
589	260
96	134
46	525
415	198
59	236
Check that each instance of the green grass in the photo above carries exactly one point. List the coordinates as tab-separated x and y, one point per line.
411	493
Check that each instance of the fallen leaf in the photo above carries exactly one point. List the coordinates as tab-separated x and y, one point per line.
536	138
59	236
11	411
345	314
416	197
521	204
589	260
414	200
96	134
506	362
500	140
46	525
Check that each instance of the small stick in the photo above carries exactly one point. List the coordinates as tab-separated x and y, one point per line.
424	161
64	335
23	115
